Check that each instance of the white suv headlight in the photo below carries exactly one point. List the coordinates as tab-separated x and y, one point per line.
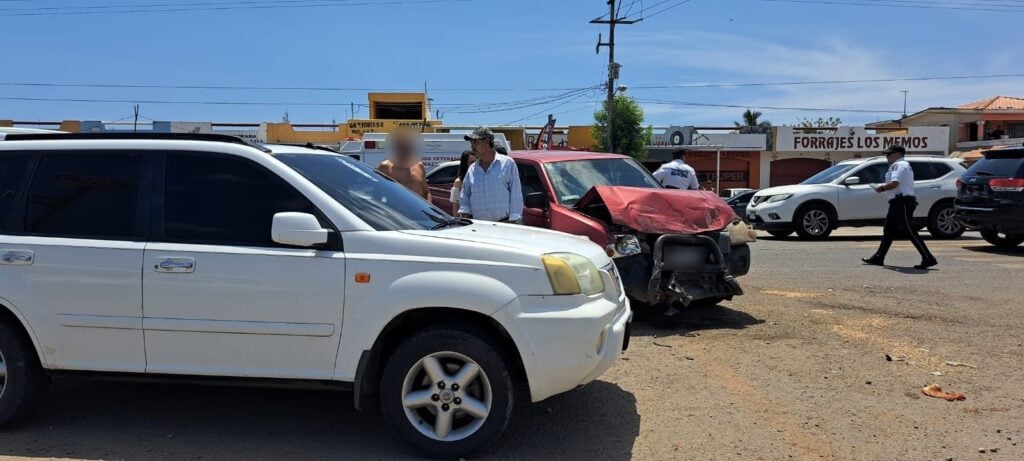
778	198
572	274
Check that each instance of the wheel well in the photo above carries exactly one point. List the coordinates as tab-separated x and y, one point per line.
937	204
828	207
8	318
372	362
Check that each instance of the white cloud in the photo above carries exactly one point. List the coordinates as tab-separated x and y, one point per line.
721	58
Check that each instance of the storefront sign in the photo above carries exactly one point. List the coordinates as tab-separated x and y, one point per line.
857	139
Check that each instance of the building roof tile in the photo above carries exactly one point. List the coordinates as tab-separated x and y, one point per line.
996	103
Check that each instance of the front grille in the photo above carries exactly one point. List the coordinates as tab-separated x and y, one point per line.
758	200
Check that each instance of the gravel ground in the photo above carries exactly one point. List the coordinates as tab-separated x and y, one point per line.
794	369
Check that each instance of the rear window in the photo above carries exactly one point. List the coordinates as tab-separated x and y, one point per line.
1009	164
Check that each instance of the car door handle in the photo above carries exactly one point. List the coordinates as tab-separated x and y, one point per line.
17	257
176	265
936	186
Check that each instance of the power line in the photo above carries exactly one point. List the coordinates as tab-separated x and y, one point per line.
258	88
823	82
894	5
515	89
547	110
332	4
651	15
754	106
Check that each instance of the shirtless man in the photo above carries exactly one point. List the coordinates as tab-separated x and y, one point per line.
404	165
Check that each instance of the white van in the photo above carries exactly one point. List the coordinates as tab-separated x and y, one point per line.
436	148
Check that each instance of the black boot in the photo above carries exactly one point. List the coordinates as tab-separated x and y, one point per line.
874	261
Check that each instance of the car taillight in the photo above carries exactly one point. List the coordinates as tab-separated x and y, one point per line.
370	144
1007	185
959	184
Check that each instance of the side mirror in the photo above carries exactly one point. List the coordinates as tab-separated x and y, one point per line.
536	200
851	181
298	229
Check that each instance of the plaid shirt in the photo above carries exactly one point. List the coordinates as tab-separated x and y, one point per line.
494	194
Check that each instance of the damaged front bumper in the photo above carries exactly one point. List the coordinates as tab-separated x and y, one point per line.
686	268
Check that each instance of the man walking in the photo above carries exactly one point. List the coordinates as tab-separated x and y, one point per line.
491	190
404	165
899	185
677	174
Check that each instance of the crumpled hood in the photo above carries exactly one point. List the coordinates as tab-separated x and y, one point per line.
662	211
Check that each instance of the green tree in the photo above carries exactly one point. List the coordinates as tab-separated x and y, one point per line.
629	135
752	123
821	122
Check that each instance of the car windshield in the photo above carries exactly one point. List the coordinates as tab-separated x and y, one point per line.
830	174
376	199
998	165
574	178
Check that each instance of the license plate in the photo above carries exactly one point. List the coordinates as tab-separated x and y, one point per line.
751	216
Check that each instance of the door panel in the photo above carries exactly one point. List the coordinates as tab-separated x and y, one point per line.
74	268
83	300
220	296
861	201
243	311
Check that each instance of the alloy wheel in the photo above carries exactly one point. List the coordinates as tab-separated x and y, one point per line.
815	222
446	396
947	221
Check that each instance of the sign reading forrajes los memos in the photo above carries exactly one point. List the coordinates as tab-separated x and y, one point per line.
857	139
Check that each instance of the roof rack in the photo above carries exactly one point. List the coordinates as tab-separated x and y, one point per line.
212	137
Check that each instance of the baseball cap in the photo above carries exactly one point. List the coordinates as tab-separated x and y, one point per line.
480	133
896	149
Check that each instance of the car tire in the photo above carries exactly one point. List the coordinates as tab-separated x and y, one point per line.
478	410
780	234
942	222
23	383
1002	240
814	222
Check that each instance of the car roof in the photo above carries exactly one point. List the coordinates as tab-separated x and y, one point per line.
214	142
544	156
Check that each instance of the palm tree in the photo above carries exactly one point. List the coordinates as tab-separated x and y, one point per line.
752	123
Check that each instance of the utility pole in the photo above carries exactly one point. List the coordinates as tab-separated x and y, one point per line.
613	67
904	102
135	125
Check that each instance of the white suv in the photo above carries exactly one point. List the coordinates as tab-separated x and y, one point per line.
202	255
842	196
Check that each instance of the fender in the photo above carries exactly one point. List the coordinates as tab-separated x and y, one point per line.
366	317
6	305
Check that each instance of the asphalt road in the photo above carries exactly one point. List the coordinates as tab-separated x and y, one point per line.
794	369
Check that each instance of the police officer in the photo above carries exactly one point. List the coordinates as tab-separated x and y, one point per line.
899	186
677	174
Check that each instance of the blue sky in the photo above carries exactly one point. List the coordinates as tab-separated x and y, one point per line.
454	46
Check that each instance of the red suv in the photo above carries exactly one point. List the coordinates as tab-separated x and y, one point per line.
671	247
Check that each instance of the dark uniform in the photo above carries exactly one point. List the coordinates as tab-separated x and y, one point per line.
902	204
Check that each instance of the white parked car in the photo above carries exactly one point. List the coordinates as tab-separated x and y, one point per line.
842	195
201	255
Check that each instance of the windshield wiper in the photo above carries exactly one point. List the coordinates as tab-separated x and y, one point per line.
984	173
452	222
